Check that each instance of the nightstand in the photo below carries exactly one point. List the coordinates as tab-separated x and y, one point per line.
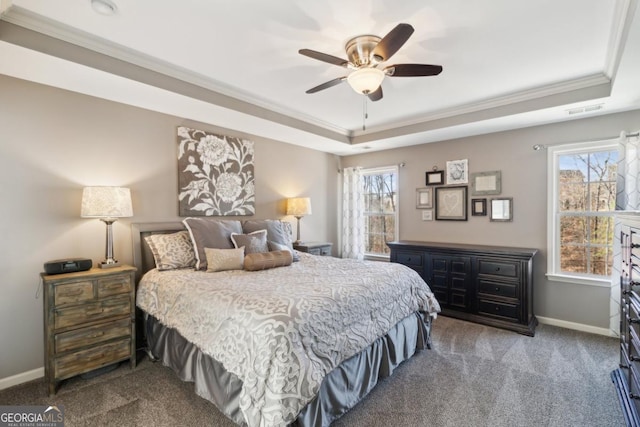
89	321
314	248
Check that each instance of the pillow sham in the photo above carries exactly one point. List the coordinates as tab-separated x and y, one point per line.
172	251
252	242
224	259
264	260
210	233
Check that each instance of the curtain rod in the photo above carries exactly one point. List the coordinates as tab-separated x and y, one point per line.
538	147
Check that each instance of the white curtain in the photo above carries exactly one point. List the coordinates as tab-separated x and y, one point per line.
352	214
627	199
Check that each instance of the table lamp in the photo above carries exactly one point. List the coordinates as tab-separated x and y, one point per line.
299	207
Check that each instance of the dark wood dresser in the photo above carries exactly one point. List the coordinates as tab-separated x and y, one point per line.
627	377
491	285
89	321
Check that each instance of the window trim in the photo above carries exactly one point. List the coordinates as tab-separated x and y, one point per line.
376	171
553	226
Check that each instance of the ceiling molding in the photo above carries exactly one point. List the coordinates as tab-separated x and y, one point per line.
623	18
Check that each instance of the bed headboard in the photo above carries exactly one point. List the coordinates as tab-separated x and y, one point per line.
142	256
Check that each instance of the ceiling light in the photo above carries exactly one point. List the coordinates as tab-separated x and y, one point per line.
366	80
104	7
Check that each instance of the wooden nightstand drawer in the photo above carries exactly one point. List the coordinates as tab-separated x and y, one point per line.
113	286
93	358
91	336
73	292
87	313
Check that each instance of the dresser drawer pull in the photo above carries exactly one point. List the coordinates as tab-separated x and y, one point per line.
72	293
634	396
497	268
497	289
97	334
93	312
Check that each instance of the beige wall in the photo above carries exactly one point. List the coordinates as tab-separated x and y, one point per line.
524	177
54	142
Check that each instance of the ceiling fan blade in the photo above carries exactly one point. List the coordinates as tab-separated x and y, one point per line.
392	42
326	85
376	95
324	57
412	70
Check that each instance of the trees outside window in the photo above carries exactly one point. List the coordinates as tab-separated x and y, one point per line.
380	190
583	204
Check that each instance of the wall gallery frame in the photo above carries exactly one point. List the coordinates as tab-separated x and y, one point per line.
486	183
424	198
458	172
435	178
451	203
479	207
502	209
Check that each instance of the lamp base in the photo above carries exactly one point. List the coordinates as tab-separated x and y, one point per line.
105	264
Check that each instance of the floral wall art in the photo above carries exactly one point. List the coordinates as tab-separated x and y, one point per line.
215	174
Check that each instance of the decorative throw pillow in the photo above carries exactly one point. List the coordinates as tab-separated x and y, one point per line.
252	242
224	259
172	251
210	233
277	232
264	260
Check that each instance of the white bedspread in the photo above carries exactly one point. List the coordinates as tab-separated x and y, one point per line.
282	330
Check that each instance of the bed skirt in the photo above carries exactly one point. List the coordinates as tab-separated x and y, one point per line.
340	390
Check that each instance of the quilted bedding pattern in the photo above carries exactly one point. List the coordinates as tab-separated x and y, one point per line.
282	330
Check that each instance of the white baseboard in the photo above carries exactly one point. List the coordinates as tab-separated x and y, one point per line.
21	378
576	326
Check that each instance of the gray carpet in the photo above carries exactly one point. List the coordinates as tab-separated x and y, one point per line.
474	376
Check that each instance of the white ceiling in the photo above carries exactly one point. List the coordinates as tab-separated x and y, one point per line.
506	63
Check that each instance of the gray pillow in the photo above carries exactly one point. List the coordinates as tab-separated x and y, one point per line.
210	233
253	242
276	230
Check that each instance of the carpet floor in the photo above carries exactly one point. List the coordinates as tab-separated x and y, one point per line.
474	376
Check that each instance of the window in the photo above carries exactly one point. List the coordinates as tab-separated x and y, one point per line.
581	207
380	209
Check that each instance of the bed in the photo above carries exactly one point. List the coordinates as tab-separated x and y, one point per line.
299	344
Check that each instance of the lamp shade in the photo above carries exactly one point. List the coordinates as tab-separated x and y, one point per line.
106	202
366	80
299	206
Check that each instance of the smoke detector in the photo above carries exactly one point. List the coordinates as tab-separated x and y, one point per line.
104	7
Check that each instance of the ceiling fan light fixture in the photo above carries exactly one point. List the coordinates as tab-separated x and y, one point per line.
365	80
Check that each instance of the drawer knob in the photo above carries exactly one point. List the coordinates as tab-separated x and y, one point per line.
497	308
497	289
497	268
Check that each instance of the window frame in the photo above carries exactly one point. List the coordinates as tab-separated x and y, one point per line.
378	171
553	217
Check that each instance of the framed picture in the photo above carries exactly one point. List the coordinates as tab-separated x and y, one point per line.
424	198
486	183
435	178
427	215
457	172
502	209
479	207
451	203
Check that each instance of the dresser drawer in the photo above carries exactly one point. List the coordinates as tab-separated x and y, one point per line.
96	357
502	310
91	312
498	289
73	292
495	268
113	286
92	335
410	258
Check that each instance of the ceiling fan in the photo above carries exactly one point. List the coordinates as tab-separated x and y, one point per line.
365	54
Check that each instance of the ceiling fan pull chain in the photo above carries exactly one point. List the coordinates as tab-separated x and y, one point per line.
365	115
